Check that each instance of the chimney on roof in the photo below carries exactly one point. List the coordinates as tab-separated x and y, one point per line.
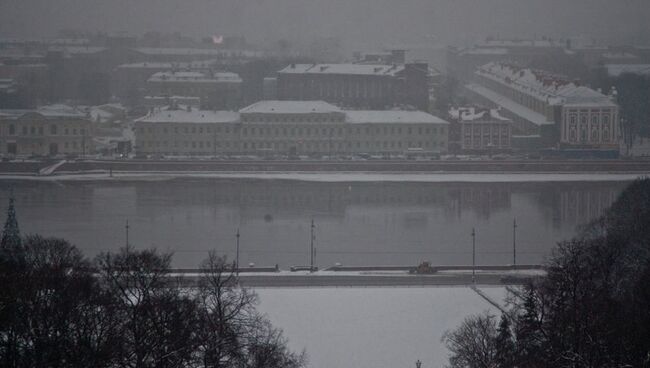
613	94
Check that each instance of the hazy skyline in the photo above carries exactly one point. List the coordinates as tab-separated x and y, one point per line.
358	23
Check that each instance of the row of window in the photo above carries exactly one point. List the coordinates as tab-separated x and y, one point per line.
573	119
485	129
338	89
310	145
594	137
40	130
486	142
291	119
293	131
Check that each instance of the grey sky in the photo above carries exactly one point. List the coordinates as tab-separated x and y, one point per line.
361	23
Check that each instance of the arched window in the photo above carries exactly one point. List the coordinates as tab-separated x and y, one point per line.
583	128
594	133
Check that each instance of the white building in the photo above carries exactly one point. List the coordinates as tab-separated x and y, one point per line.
482	129
290	127
561	112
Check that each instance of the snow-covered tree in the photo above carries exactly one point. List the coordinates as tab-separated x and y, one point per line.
11	233
505	344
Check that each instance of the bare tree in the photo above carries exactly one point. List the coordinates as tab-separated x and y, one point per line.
159	323
268	348
57	316
473	343
227	313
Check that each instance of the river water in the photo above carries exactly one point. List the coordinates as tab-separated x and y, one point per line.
356	223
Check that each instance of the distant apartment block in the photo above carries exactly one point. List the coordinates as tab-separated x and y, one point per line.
462	62
363	86
289	127
217	90
49	130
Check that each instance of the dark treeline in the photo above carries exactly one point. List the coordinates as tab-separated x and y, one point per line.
59	309
592	309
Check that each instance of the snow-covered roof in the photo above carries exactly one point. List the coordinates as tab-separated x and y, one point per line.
171	98
48	111
180	51
182	115
615	70
191	76
60	110
8	85
521	43
169	65
391	116
548	87
290	107
484	51
475	114
106	112
619	55
79	50
520	110
345	69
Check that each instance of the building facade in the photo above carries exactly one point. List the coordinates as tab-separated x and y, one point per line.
363	86
47	131
563	113
481	130
217	90
291	128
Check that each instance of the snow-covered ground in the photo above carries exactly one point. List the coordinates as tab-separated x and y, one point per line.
371	327
347	176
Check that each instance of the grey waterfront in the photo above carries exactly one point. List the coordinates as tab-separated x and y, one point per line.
357	223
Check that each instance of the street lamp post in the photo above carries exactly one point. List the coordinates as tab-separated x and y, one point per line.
473	256
126	227
514	243
311	247
237	254
214	143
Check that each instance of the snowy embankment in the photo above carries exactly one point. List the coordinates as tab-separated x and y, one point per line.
343	176
373	327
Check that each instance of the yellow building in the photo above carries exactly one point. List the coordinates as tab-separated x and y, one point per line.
289	127
47	131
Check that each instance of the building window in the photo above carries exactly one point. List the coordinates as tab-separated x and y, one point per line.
12	129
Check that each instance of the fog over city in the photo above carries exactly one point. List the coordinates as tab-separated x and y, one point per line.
357	23
325	183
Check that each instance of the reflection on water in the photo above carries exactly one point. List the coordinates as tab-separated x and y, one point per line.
356	223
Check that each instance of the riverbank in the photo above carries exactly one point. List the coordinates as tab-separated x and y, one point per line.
339	177
193	167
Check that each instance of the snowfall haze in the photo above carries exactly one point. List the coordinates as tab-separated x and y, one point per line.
357	23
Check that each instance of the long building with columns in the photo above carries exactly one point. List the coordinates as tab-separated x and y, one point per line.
562	113
290	127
